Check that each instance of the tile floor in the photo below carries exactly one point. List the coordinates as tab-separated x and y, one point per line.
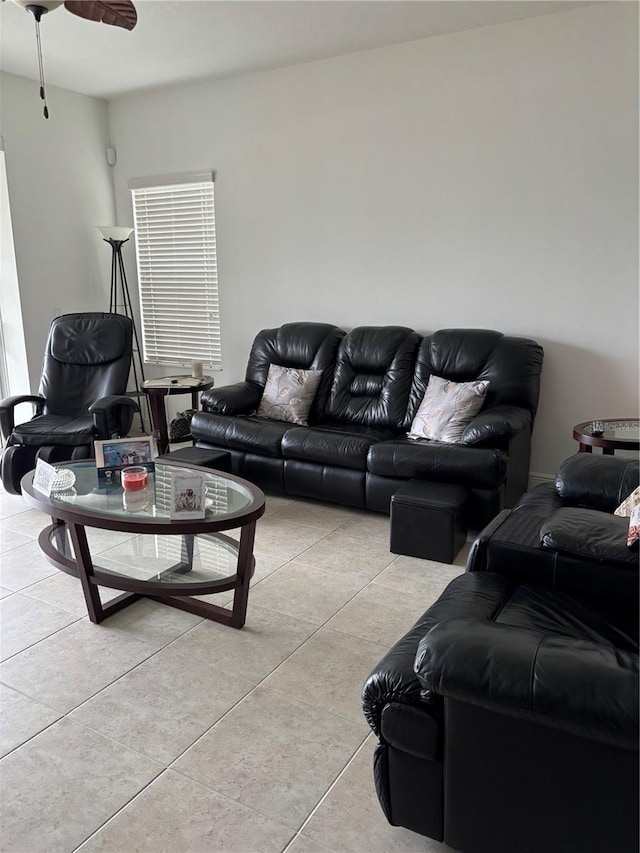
160	732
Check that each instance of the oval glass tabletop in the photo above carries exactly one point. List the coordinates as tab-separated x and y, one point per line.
623	430
224	496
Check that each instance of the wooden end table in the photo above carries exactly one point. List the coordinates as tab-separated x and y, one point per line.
164	559
156	394
610	435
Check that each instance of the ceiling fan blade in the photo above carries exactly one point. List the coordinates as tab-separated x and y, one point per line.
118	13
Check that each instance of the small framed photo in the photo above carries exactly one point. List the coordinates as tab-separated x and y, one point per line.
187	495
43	477
112	455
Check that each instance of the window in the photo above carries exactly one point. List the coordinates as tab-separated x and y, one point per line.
174	219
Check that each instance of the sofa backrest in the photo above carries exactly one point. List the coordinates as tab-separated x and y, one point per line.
372	377
512	366
310	346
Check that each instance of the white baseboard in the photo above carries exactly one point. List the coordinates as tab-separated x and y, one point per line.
535	478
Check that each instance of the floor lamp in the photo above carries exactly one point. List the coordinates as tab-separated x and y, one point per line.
116	236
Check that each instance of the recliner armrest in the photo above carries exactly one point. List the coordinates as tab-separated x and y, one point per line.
7	410
498	422
394	679
586	688
239	399
113	414
589	533
596	481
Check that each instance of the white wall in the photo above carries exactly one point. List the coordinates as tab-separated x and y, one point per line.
60	188
481	179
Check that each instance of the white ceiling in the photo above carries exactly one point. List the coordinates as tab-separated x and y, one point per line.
179	40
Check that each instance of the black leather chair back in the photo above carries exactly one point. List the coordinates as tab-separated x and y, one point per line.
512	366
309	346
87	357
372	378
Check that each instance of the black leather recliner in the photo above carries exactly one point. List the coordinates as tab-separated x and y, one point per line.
80	398
354	450
507	717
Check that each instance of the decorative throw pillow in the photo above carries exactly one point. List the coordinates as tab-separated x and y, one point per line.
633	538
288	394
447	409
626	507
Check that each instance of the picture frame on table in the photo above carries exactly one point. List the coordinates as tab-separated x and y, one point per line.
114	454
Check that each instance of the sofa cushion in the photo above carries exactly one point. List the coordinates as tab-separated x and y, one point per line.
55	429
372	377
433	460
288	394
253	435
332	444
447	409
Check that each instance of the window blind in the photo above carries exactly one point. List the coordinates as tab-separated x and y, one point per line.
177	270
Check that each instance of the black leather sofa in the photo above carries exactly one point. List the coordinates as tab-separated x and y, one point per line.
355	450
507	717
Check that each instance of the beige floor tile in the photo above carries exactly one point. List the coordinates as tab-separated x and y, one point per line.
11	505
74	664
316	514
372	526
340	553
273	753
153	621
5	592
29	523
24	622
328	671
379	614
274	503
350	820
177	815
163	705
425	579
307	592
65	592
24	566
9	540
21	718
300	844
253	652
63	784
266	564
101	540
283	539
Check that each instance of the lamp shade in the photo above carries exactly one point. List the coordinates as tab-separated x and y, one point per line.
115	232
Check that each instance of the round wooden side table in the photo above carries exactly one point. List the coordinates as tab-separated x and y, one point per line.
156	394
609	434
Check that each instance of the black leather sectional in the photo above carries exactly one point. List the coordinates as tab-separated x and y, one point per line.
507	717
355	451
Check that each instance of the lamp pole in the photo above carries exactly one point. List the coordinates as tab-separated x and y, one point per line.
116	238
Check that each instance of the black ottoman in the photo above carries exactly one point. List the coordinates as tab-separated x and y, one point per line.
199	456
428	520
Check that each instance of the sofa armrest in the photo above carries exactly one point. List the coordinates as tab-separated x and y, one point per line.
239	399
589	533
586	688
596	481
394	679
499	423
113	415
7	411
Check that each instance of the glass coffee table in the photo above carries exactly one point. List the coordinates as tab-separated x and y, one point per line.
164	559
610	435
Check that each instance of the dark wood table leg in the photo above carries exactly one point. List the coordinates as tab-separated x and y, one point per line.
608	451
585	448
159	421
85	571
245	558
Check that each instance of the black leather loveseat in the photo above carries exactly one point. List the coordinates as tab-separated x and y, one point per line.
507	717
355	450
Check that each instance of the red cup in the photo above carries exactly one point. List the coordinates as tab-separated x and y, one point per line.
134	478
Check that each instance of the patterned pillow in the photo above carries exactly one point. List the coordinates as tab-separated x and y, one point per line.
288	394
626	507
633	537
447	409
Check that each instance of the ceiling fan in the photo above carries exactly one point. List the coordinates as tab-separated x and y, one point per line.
117	13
